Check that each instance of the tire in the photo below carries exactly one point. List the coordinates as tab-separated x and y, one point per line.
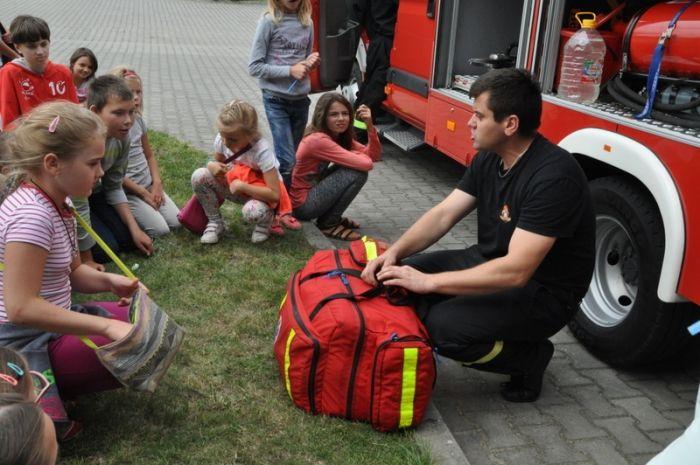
352	87
621	319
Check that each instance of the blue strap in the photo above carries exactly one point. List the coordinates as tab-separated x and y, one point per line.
655	67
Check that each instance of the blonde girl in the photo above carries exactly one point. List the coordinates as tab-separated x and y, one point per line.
153	209
54	154
281	58
239	145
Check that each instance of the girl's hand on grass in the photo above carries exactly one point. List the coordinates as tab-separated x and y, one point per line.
143	242
157	193
299	71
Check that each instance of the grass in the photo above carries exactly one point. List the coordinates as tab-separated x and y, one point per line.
222	401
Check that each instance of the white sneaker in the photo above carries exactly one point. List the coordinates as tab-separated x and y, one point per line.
260	234
212	232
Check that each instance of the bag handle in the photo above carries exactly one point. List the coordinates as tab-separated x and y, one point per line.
103	245
110	253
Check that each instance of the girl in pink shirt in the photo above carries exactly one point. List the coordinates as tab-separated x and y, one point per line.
331	166
55	153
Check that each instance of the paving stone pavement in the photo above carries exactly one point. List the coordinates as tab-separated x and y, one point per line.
192	55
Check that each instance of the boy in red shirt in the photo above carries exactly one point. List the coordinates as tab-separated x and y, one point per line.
32	79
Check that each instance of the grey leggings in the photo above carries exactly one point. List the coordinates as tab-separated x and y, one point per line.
328	199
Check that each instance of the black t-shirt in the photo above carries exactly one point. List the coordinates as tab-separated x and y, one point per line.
545	192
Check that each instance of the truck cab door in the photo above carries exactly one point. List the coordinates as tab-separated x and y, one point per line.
336	36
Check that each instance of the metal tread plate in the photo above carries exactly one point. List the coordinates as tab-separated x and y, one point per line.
406	137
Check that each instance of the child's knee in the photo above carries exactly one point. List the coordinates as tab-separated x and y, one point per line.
200	177
255	211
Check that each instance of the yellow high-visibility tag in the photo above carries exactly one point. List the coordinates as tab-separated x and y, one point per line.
408	386
370	248
288	362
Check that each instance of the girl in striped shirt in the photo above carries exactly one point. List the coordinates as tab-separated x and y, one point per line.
55	153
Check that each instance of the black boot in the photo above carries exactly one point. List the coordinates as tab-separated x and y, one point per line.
527	387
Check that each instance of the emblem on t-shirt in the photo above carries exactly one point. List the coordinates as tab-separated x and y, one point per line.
505	213
27	87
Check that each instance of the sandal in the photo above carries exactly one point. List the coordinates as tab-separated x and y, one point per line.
289	222
341	232
349	223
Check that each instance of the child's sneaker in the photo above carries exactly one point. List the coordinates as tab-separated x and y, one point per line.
289	222
276	229
260	234
212	232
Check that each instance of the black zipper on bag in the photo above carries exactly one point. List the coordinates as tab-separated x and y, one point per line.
314	359
360	340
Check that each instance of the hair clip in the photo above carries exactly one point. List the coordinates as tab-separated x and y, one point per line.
8	379
16	368
54	124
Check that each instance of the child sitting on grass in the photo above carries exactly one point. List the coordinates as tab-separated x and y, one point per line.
83	66
107	208
54	155
154	210
256	184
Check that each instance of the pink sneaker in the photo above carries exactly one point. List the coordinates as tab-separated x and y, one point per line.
276	229
289	222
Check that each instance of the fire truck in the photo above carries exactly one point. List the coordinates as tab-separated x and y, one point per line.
642	171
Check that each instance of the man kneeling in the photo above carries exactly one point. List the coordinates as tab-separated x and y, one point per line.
494	305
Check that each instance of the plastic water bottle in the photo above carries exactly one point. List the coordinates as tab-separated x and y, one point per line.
582	63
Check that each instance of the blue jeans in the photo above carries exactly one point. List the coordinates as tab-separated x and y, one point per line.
287	119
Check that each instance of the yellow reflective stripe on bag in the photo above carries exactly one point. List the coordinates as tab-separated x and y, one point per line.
288	361
408	386
2	266
284	299
370	248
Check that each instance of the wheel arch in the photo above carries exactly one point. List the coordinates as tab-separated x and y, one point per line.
604	153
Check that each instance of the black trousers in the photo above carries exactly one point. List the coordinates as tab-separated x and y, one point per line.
378	18
503	332
108	225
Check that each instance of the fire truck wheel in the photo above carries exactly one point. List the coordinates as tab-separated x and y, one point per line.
352	87
621	318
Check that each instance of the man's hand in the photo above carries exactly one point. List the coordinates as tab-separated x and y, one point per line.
143	242
299	71
408	278
369	274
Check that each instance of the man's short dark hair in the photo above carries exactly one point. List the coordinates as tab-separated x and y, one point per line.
512	91
25	29
102	88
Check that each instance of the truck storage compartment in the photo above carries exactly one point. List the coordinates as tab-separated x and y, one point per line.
475	36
